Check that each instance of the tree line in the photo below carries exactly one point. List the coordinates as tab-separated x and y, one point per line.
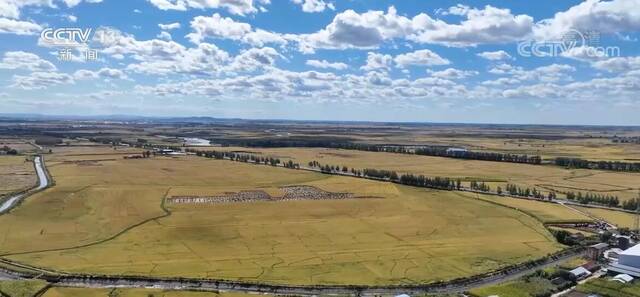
433	150
437	182
601	165
588	198
244	157
472	155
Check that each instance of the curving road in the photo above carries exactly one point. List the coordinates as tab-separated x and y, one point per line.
43	182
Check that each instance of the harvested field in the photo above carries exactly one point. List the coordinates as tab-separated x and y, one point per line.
624	185
16	174
412	235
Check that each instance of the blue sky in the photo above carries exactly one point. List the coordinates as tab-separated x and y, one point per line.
432	61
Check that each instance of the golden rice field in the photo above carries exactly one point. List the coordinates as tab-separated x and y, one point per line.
404	235
21	288
121	292
16	174
618	218
624	185
546	212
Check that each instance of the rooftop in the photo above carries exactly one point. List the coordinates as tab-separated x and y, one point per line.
632	251
599	246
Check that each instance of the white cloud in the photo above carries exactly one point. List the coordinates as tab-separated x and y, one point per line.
238	7
72	18
107	73
170	26
217	26
206	59
326	64
72	3
495	56
41	80
164	35
254	59
350	29
614	16
618	64
22	60
314	5
452	73
368	30
19	27
12	8
422	57
377	61
488	25
548	73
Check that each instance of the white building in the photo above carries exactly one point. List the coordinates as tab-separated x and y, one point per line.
628	262
580	272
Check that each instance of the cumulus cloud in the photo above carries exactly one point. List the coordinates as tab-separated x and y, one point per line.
238	7
326	64
367	30
314	5
24	60
548	73
19	27
423	57
618	64
254	59
592	15
495	56
482	26
12	8
376	61
350	29
40	80
452	73
170	26
217	26
108	73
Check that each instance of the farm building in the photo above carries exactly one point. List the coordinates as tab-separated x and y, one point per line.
595	251
580	272
623	278
628	262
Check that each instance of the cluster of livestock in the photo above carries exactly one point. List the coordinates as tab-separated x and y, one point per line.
290	193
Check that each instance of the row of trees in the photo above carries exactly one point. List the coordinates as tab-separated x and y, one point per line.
602	165
430	182
485	156
514	190
587	198
631	204
390	175
480	186
244	157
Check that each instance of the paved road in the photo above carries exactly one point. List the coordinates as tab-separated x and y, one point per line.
43	182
